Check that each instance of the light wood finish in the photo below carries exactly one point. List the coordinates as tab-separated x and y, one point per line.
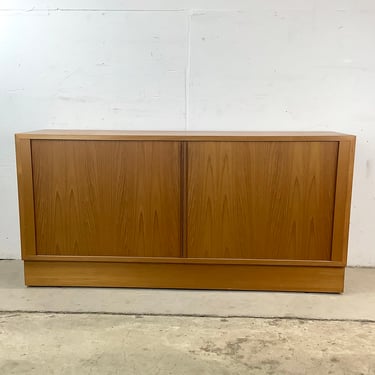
184	135
261	200
204	276
183	260
183	198
107	197
204	210
25	197
343	199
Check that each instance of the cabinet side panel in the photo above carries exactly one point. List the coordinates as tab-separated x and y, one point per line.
261	200
115	198
343	200
25	197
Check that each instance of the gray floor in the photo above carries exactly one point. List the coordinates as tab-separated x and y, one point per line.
357	303
39	344
137	331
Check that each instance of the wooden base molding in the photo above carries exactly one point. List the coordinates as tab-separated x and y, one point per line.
186	276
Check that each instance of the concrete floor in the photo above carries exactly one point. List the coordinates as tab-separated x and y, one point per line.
39	344
139	331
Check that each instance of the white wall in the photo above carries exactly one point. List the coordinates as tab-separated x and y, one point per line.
194	64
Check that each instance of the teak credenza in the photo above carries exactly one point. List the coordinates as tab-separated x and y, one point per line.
207	210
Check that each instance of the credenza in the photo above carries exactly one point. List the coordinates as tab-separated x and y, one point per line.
197	210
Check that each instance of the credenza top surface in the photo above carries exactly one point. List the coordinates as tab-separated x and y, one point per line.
184	135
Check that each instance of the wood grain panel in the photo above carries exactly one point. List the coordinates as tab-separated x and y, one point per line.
261	200
343	200
202	276
119	198
183	260
25	197
184	135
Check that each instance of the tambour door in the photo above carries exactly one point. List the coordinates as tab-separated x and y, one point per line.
107	198
261	200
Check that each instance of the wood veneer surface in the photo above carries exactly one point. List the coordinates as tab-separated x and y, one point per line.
107	197
184	135
202	276
261	200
